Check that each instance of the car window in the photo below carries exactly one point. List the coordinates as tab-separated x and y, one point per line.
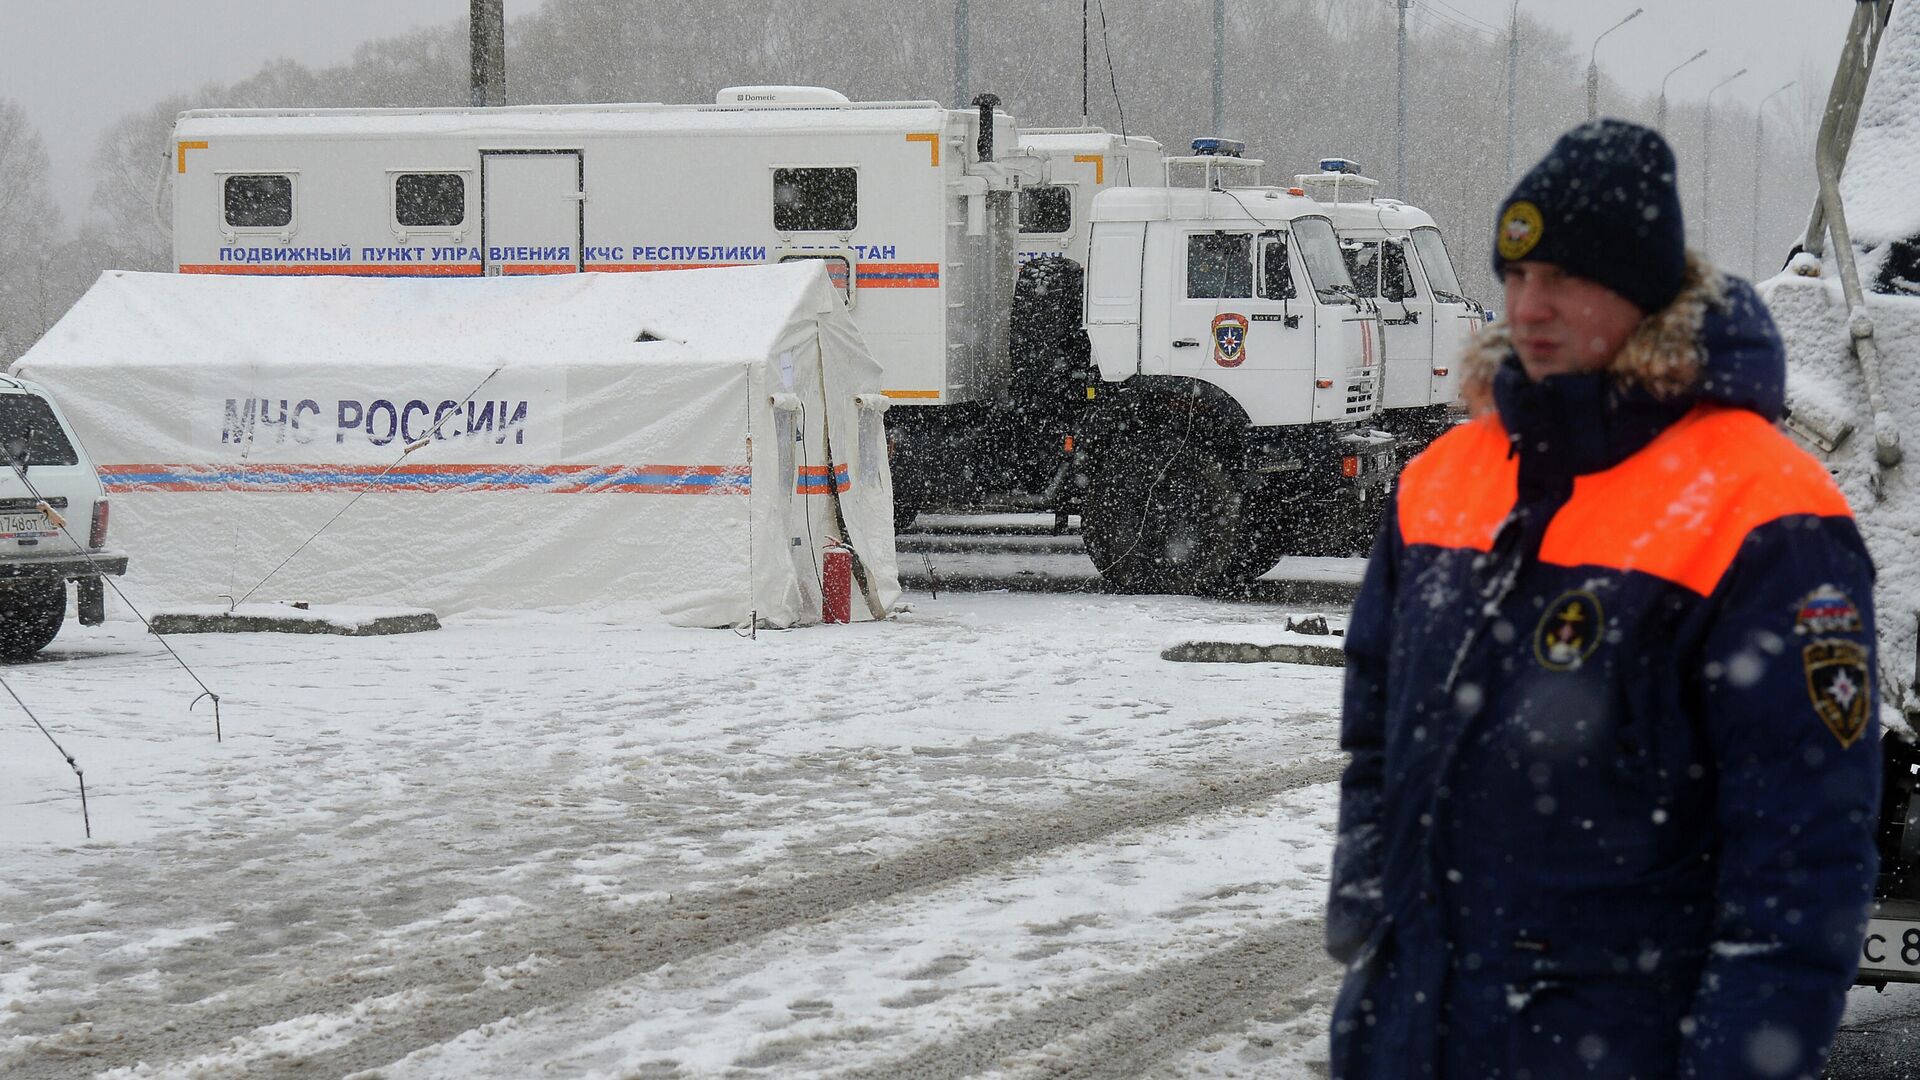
1219	265
1363	265
1396	282
27	424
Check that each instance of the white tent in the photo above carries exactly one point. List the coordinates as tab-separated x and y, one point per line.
677	443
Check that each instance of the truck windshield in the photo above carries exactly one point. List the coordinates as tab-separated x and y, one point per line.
1321	250
27	426
1433	256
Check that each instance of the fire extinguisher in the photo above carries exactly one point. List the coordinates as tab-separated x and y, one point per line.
836	582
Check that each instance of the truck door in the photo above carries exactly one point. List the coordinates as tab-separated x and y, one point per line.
1456	318
1282	330
1380	271
532	213
1407	323
1228	331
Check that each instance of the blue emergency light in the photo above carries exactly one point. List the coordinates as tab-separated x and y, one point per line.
1217	147
1339	165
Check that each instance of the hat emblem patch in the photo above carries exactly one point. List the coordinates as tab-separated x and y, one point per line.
1520	229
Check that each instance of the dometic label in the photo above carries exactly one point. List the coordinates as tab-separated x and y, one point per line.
504	421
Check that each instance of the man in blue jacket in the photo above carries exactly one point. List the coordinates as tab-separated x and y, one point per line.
1610	701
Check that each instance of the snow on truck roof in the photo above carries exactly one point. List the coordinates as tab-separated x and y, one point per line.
569	119
1082	139
1181	204
1386	215
160	319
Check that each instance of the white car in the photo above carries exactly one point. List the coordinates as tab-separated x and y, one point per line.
53	523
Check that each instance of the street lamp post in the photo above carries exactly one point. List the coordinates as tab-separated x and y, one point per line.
1660	116
1219	67
1706	168
1513	77
1759	149
1593	65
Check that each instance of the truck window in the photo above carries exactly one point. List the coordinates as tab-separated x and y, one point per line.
1219	265
1046	209
1276	274
1396	281
1320	250
837	271
27	426
1363	265
1433	259
816	200
429	200
259	202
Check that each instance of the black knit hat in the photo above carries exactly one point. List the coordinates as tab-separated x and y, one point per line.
1602	205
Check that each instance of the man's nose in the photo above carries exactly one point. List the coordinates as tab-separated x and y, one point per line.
1527	301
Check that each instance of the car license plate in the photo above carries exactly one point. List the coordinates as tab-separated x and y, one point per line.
15	525
1891	945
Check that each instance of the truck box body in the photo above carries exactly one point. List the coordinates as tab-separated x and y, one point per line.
1080	163
894	194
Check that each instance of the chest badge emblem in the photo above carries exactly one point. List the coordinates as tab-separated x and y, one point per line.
1569	631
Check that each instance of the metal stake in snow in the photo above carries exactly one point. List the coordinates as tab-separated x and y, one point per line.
60	523
86	820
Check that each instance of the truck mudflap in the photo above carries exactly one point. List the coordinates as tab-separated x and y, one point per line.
67	566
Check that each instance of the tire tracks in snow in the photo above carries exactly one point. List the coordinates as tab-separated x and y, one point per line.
1125	1026
586	952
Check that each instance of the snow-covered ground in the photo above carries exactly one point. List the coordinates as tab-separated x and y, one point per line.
996	835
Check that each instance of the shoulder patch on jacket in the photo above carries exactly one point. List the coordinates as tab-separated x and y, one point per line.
1839	671
1681	508
1460	489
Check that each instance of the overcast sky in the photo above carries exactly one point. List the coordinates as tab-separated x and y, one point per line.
76	65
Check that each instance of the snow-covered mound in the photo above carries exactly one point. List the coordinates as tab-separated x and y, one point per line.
1877	186
1826	392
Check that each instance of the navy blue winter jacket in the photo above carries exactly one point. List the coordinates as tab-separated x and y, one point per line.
1610	705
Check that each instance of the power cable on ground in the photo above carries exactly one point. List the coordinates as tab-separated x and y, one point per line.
46	509
86	819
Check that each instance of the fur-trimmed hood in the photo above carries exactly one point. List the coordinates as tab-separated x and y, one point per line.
1716	342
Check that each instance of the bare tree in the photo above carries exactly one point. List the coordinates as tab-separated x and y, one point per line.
29	231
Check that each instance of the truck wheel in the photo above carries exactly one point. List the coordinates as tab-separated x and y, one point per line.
904	514
30	616
909	484
1268	532
1161	518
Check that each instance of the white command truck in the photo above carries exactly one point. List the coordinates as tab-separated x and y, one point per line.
1399	261
916	209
